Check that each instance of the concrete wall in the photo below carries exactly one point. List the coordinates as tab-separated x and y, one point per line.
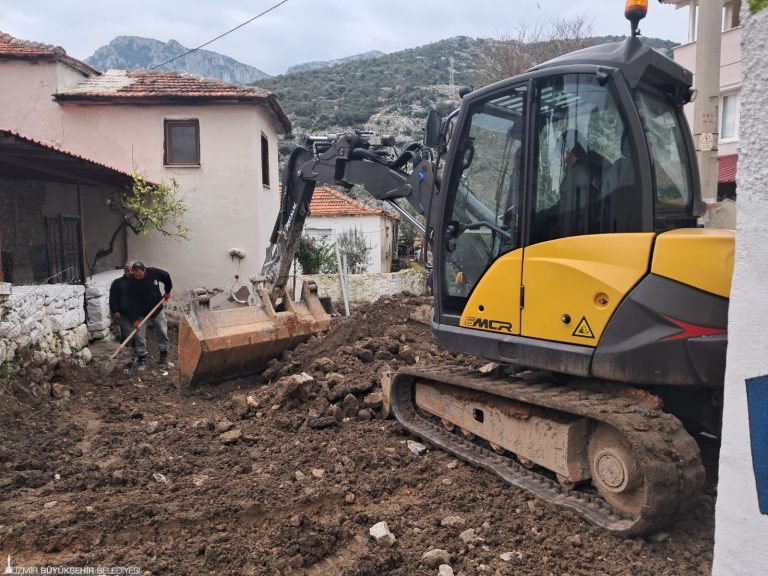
46	321
369	287
378	231
741	531
228	206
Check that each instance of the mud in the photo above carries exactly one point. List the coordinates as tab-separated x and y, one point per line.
266	475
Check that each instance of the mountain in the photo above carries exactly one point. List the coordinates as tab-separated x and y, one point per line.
370	55
135	53
391	93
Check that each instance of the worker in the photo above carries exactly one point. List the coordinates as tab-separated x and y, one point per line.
118	303
143	294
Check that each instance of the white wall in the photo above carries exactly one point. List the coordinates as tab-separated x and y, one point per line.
228	206
741	532
26	103
378	231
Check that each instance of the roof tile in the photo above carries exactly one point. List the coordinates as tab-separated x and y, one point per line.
11	47
329	202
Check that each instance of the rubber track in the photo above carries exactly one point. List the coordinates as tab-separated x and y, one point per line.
668	455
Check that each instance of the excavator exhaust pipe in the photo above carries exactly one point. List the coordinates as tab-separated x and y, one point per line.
216	345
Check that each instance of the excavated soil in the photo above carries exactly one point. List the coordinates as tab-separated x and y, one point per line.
266	476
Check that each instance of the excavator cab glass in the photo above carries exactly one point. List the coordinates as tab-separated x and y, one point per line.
488	191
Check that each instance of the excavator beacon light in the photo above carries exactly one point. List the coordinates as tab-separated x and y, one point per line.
634	11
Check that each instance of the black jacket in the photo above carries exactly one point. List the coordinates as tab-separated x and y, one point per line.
118	296
145	293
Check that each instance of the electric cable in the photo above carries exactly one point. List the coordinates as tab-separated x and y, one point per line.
221	35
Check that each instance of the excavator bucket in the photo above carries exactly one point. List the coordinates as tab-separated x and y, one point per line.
215	345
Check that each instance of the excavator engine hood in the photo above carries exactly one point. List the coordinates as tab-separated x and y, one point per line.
216	345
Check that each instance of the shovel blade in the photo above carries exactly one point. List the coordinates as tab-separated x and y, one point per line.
216	345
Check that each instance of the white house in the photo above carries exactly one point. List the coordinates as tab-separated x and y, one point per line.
218	140
332	212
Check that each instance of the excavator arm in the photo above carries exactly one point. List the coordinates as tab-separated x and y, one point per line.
350	159
215	344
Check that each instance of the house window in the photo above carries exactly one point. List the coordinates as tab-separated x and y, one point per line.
729	118
264	160
182	142
731	15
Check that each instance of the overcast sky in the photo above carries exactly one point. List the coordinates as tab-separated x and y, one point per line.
304	30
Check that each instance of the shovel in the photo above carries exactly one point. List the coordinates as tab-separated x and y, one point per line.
109	365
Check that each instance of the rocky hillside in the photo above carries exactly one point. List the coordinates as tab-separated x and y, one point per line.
135	53
393	92
370	55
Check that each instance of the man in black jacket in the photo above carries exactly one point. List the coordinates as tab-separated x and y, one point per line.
118	302
143	294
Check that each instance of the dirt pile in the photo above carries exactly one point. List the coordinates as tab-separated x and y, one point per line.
286	473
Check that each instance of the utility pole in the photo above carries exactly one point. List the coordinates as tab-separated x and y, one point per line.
707	104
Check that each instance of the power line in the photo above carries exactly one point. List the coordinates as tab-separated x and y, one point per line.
221	35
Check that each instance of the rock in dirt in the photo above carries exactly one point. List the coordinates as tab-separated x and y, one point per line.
350	406
435	557
658	537
407	355
509	556
574	540
224	426
230	437
364	354
469	536
324	364
385	380
153	427
318	472
422	314
416	447
349	498
50	504
374	400
118	477
445	570
298	387
452	521
364	414
380	532
323	422
239	406
340	390
60	391
299	475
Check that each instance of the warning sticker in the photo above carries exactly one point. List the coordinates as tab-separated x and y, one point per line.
583	330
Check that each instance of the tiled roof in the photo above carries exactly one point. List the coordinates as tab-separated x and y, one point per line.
122	86
726	168
329	202
16	48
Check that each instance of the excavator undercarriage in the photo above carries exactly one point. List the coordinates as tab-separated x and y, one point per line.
625	465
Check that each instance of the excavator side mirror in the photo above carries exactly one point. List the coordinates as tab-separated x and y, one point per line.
432	131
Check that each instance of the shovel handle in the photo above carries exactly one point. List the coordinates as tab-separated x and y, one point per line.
133	332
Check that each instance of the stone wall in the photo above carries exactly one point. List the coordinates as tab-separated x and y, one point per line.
369	287
43	323
97	304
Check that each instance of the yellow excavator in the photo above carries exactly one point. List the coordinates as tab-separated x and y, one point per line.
561	206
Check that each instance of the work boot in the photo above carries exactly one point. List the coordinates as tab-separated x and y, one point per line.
141	363
163	357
